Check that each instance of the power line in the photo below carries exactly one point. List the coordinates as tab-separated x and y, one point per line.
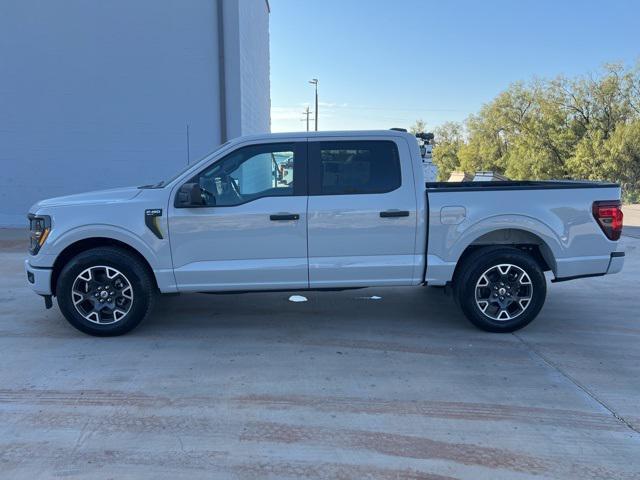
306	113
363	107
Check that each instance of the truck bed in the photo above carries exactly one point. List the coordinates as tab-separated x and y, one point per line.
515	185
553	217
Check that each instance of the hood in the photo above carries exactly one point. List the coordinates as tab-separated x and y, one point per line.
113	195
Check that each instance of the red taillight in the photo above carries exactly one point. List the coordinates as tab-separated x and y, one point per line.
608	214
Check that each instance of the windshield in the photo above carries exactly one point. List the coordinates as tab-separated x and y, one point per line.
162	183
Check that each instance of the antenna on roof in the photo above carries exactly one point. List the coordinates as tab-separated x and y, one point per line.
399	129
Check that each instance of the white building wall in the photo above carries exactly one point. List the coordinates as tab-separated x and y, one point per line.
98	94
254	67
246	58
256	175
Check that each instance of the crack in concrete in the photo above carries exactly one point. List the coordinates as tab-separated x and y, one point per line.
580	386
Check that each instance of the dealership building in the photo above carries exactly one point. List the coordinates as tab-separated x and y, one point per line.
98	94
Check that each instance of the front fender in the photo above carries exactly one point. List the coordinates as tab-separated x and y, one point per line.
158	255
57	243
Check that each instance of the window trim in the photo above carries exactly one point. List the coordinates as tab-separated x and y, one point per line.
315	173
300	188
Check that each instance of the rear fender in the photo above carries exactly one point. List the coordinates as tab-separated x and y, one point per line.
447	243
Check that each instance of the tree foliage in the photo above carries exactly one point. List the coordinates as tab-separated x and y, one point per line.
418	127
450	139
586	127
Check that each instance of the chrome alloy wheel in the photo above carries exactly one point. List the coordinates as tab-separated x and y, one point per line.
504	292
102	295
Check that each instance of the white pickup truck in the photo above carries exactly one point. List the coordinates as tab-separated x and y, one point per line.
314	211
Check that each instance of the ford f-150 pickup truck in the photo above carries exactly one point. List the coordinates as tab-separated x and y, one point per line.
314	211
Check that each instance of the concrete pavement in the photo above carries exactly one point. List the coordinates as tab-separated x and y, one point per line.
342	386
631	220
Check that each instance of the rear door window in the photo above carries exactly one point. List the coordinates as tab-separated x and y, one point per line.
354	167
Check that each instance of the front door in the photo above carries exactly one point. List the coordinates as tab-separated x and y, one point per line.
362	213
251	232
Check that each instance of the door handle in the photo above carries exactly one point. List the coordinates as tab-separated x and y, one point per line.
284	216
394	213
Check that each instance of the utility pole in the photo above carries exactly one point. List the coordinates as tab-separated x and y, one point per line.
306	113
314	81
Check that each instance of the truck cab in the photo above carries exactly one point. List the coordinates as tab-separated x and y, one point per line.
344	215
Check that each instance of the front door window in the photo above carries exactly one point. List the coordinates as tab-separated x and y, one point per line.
249	173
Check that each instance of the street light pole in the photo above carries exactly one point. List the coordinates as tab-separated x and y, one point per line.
314	82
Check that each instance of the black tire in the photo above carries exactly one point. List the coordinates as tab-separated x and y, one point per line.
485	261
136	274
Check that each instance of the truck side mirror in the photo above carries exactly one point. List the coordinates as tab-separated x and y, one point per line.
189	195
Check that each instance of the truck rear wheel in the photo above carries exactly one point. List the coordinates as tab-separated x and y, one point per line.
105	291
500	289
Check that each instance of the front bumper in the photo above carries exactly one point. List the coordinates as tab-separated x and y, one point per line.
39	279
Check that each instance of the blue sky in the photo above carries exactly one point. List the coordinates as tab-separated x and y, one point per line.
386	63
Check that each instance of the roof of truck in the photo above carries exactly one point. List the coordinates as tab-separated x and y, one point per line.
323	134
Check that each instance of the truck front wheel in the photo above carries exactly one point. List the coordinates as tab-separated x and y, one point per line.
105	291
500	289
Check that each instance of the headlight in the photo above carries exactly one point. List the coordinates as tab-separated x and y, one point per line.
39	228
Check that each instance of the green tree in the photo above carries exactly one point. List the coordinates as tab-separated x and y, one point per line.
616	158
582	127
418	127
622	159
450	138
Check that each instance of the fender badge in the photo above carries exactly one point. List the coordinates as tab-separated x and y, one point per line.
151	221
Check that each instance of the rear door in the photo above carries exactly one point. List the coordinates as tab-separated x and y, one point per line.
361	212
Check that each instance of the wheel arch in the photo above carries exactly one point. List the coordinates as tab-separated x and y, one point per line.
520	238
88	243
